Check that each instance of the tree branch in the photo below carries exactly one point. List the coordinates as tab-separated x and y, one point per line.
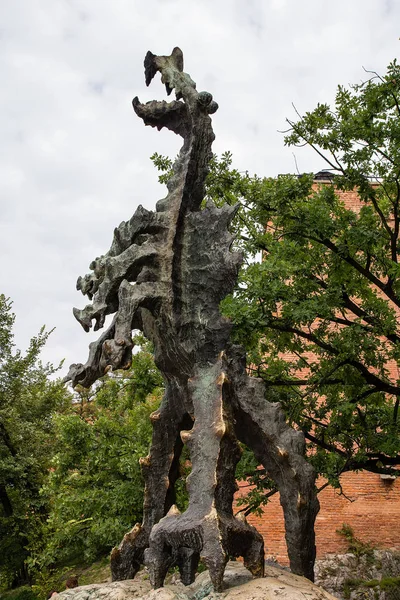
6	502
369	377
359	312
323	444
315	148
352	262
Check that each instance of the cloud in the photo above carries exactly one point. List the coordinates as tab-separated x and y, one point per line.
75	159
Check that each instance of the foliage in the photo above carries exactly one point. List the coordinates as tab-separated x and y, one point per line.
95	572
29	399
318	314
350	584
258	487
164	165
21	593
316	330
327	291
354	544
386	584
46	581
95	486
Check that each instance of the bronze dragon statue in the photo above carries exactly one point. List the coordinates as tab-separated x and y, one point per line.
165	274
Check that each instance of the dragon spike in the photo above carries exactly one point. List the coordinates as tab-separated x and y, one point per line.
153	63
150	67
177	56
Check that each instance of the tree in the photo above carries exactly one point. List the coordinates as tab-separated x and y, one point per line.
29	399
95	486
318	314
328	290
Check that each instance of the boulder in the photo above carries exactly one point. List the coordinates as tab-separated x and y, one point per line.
238	584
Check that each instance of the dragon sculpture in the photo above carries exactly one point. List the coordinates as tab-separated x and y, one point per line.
165	274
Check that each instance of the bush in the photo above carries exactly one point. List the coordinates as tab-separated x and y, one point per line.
22	593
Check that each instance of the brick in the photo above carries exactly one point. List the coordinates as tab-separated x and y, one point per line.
369	504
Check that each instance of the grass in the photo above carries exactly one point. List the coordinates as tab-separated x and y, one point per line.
97	572
385	584
21	593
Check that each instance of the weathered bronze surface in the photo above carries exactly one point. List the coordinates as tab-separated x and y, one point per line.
165	274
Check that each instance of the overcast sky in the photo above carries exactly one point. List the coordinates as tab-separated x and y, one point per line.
74	158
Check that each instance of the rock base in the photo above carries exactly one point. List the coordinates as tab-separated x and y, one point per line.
238	584
372	575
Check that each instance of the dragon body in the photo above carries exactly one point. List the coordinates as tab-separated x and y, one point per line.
165	273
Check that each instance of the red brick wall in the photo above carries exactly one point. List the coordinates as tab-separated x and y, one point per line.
372	508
